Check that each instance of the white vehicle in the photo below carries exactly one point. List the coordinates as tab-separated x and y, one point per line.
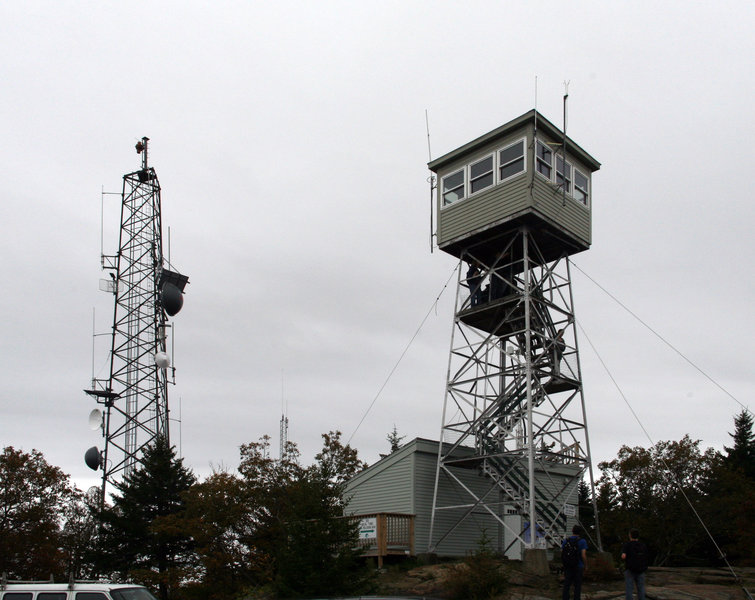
72	591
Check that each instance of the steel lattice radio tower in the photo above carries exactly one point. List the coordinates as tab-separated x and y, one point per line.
513	205
146	292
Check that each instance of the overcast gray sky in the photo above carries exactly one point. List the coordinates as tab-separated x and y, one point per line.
290	143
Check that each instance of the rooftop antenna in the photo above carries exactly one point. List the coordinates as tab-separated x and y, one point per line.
284	423
536	106
565	184
431	179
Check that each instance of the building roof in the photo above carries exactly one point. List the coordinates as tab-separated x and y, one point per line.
533	117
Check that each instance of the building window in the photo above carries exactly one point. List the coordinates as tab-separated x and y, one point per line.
560	172
481	174
544	160
453	187
581	184
511	160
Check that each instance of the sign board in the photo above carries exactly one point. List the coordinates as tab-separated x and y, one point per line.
570	510
368	529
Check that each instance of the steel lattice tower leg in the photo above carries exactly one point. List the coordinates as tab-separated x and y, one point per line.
514	408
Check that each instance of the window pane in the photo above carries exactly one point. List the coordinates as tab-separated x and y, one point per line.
134	593
453	181
544	160
17	596
51	596
580	180
511	153
512	168
91	596
451	197
544	153
482	167
580	187
482	182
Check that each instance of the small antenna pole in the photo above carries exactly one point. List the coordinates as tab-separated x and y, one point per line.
102	226
563	147
535	105
427	126
93	338
432	179
283	442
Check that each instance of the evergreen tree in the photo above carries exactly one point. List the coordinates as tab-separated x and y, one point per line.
586	510
730	495
741	456
138	539
297	525
394	439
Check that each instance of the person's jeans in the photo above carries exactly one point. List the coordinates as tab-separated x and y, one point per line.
573	577
630	579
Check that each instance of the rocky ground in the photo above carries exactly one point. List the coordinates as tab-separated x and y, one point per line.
662	584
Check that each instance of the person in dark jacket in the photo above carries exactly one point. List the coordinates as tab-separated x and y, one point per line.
573	575
635	557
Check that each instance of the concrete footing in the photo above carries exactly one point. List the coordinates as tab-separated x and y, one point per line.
535	561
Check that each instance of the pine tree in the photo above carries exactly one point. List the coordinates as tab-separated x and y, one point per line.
394	439
741	455
138	541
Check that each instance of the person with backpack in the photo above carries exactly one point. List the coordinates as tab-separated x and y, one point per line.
635	557
574	559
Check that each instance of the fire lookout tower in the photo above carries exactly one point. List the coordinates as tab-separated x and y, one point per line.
512	206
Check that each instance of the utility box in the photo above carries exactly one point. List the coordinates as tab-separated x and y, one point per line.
524	173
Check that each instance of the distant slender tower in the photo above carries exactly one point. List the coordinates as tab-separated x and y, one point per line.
146	292
512	206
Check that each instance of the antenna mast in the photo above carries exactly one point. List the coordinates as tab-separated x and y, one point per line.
135	395
431	179
283	442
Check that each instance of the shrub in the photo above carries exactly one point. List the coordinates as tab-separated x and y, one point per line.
479	577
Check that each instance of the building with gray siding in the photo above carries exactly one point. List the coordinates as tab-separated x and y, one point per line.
404	482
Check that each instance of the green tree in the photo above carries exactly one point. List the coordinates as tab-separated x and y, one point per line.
337	463
394	439
34	499
730	496
219	517
585	506
742	454
651	489
79	537
139	539
297	525
317	554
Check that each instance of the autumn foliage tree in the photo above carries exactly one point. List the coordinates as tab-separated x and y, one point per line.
655	490
35	498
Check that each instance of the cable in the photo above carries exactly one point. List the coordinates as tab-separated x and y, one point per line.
400	358
665	464
664	340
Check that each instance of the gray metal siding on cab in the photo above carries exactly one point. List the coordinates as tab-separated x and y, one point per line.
496	205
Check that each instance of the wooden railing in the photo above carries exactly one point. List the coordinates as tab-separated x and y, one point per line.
381	534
